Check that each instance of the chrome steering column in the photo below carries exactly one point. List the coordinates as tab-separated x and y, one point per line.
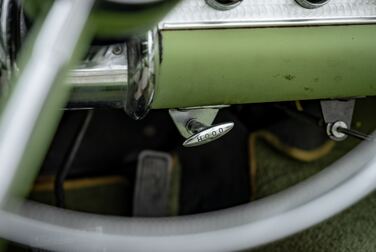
118	76
143	61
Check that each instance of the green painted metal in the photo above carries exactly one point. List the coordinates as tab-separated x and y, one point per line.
235	66
118	24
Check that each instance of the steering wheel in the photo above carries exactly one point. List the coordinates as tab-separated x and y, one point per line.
27	123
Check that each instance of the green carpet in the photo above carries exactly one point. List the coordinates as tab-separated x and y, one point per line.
352	230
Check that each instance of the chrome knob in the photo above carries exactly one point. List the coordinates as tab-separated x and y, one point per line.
334	132
312	4
204	134
223	4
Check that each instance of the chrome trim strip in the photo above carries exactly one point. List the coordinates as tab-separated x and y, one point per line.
196	14
267	23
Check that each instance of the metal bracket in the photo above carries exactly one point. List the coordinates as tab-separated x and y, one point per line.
195	124
337	114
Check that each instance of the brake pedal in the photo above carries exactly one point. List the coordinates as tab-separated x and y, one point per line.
153	185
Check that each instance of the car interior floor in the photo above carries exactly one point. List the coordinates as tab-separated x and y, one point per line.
258	158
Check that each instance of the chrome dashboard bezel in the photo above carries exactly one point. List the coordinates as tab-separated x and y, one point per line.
196	14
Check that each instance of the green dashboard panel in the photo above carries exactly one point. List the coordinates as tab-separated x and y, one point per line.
234	66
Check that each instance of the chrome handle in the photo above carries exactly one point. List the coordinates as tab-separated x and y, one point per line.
195	124
204	134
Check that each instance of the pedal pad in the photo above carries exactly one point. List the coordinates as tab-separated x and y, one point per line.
153	185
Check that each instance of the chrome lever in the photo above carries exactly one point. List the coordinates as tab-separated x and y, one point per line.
195	124
204	134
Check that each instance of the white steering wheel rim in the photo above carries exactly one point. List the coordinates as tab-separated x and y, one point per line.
295	209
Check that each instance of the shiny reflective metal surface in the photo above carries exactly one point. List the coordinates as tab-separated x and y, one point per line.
196	14
181	117
12	29
143	61
218	5
205	134
101	81
333	132
4	30
309	4
195	124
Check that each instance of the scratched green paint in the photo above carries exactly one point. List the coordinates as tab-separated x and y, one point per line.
233	66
